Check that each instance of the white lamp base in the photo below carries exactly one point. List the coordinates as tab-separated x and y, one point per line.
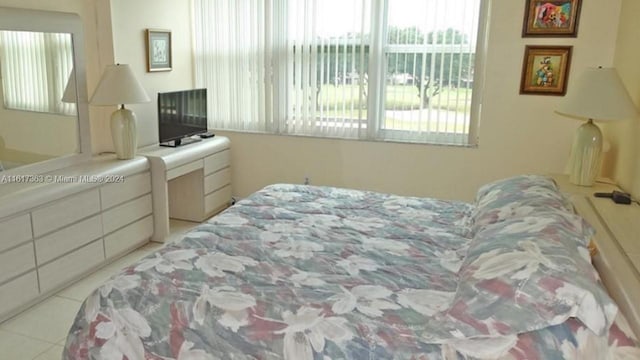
124	133
584	162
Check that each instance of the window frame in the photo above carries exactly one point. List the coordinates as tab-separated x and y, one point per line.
378	63
280	95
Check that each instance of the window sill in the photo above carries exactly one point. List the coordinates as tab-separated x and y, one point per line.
334	138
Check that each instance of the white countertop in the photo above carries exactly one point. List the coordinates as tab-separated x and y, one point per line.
176	156
22	192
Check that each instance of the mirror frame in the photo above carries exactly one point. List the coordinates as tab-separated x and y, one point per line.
57	22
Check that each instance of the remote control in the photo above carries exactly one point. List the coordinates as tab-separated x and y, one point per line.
206	135
619	197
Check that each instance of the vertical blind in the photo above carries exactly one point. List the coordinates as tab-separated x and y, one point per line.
233	51
36	68
364	69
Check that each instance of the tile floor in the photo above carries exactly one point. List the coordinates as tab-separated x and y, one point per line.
39	333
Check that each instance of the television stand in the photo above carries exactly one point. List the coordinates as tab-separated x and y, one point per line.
180	142
189	183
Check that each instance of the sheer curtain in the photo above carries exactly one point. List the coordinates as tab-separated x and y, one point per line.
36	68
397	70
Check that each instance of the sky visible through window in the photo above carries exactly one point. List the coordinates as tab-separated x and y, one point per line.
433	15
340	17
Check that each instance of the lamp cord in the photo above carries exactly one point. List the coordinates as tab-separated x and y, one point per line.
606	182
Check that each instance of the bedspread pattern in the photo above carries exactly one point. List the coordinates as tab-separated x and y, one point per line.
308	273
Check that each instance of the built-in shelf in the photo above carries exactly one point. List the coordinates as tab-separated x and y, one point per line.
617	232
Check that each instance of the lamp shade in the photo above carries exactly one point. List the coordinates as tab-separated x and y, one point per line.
599	95
118	86
69	95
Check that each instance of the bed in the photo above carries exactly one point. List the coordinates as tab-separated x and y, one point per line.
304	272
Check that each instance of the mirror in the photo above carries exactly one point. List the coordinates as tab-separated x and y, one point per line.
44	122
38	116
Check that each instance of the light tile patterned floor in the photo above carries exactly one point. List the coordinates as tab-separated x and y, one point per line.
39	333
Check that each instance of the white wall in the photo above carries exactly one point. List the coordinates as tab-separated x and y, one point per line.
129	21
623	162
518	134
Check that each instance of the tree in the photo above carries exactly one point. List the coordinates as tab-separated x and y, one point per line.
338	59
437	66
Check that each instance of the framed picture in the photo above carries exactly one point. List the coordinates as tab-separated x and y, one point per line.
545	70
158	50
551	18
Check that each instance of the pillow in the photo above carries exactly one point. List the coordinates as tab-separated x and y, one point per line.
517	182
543	224
529	273
516	197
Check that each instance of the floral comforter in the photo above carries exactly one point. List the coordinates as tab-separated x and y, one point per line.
301	272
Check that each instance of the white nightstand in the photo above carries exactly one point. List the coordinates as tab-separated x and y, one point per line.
618	241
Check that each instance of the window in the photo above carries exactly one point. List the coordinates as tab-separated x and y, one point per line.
399	70
36	68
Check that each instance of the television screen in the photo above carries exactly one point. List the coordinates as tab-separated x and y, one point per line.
182	114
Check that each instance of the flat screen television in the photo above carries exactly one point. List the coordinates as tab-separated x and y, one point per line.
181	114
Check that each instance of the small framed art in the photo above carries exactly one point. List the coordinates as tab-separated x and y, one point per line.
545	70
551	18
158	50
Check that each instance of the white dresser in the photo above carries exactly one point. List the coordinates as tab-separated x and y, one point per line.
64	225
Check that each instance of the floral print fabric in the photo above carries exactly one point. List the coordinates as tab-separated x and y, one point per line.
516	197
527	273
301	272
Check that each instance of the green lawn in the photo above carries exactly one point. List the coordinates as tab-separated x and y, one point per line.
398	97
397	123
341	102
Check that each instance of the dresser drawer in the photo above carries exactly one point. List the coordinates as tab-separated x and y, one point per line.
17	292
128	237
15	231
70	266
217	180
17	261
216	161
126	213
132	187
184	169
65	212
217	200
67	239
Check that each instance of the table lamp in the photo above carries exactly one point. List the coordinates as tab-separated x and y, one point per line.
597	95
118	86
69	95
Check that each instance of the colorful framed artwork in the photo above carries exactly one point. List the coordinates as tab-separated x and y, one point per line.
545	70
158	50
551	18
